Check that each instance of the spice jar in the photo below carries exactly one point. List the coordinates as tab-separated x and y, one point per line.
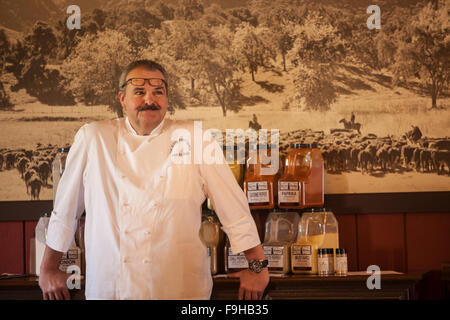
341	262
325	262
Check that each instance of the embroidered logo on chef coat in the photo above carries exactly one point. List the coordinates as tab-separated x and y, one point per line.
180	150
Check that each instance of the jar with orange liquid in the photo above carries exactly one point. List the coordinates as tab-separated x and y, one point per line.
314	185
297	169
258	186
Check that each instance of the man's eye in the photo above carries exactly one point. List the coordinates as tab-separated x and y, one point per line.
139	93
159	93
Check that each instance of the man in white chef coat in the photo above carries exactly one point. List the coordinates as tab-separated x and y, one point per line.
143	204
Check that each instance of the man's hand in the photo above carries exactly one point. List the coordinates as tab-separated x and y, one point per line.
252	284
53	284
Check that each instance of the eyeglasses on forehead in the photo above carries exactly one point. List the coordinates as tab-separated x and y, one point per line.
154	82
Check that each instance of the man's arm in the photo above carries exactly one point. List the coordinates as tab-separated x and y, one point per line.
252	284
53	282
232	209
68	207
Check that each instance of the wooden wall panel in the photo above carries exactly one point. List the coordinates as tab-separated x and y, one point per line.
381	241
347	238
427	240
11	247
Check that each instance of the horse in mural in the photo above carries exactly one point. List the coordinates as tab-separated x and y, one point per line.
351	124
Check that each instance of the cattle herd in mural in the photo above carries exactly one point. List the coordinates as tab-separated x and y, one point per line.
344	150
33	166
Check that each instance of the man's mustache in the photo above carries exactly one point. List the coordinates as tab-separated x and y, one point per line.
152	106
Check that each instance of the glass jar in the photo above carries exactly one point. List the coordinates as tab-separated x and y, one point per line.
341	262
325	262
58	167
314	185
259	187
210	236
297	170
281	232
317	229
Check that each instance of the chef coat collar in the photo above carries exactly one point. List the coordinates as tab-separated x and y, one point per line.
154	132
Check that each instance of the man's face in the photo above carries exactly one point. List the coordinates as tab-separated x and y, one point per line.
145	105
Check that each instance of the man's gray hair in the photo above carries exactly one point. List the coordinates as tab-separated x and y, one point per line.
147	64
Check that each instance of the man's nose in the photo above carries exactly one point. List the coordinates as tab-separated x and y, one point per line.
149	98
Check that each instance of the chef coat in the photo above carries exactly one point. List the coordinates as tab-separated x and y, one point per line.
143	203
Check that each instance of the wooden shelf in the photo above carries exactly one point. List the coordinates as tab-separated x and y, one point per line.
393	286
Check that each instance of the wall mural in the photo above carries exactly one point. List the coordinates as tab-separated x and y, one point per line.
366	80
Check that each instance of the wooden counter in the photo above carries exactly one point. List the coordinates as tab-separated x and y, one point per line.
393	286
296	287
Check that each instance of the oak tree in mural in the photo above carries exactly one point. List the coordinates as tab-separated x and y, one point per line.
315	53
252	47
94	67
422	50
31	64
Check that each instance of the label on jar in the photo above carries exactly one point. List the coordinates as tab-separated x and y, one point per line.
236	261
302	257
258	192
288	191
323	264
275	255
69	258
341	264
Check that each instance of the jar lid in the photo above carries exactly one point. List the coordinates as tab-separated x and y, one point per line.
340	251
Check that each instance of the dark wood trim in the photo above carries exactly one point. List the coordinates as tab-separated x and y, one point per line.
24	210
401	202
358	203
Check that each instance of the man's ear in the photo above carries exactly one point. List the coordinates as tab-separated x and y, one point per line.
121	97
